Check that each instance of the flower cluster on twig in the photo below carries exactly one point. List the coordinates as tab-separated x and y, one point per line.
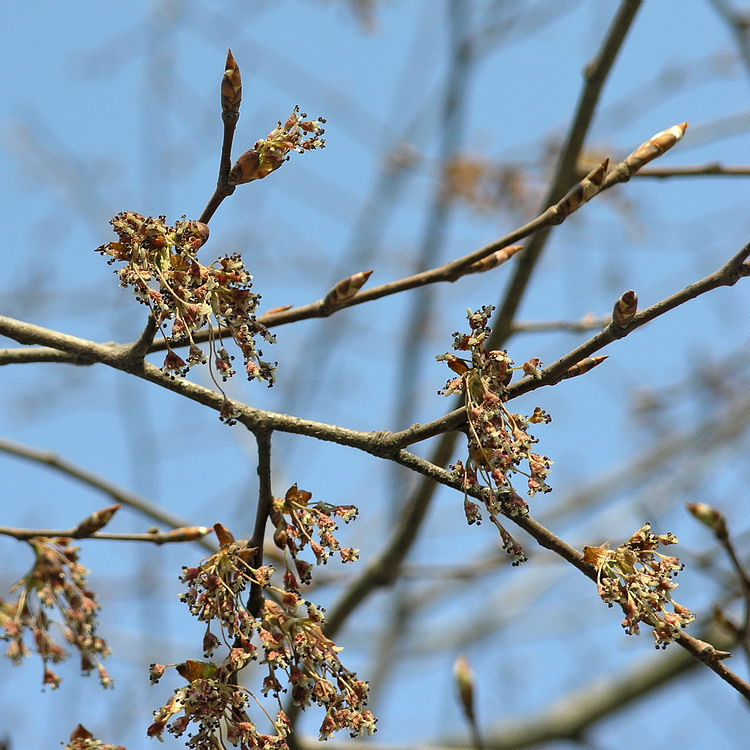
57	581
285	633
499	441
297	522
296	134
639	579
165	274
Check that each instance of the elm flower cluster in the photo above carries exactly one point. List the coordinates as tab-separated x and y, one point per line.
298	522
499	442
296	134
639	579
57	580
163	270
283	632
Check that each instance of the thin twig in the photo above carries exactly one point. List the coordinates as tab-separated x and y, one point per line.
587	323
385	567
728	275
231	98
383	444
183	534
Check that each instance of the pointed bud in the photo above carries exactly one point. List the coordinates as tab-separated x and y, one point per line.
345	289
231	88
584	366
652	149
709	516
625	309
186	534
657	145
583	192
464	676
280	309
95	522
496	259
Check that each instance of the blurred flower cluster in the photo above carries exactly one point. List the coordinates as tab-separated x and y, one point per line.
500	445
82	739
165	274
57	581
282	631
487	187
639	579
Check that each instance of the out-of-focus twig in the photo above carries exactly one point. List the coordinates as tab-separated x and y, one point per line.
596	74
94	481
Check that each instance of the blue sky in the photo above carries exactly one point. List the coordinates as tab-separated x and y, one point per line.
115	107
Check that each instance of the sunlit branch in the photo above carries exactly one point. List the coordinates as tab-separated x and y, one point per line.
185	534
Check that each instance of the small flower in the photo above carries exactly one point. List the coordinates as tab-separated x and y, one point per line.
499	443
639	579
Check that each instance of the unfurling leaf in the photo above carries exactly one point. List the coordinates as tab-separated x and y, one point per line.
297	496
193	670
